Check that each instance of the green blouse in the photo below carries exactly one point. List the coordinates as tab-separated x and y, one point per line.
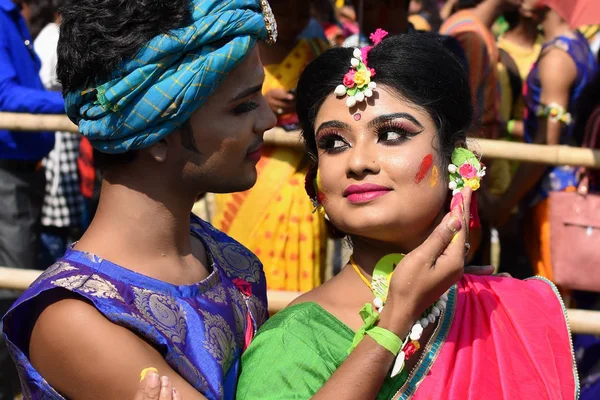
306	345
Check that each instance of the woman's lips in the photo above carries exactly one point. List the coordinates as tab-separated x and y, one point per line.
365	192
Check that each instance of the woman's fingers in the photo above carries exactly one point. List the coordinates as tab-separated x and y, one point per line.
439	240
149	388
166	389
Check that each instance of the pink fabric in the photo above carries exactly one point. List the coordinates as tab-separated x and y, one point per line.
508	340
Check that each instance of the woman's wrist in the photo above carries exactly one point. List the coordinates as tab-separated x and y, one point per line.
396	320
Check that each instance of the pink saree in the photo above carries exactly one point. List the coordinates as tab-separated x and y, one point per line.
503	339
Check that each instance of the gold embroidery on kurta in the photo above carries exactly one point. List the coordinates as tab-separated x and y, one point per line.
93	285
163	312
239	308
219	339
216	294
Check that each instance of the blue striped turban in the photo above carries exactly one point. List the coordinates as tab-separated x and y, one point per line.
156	91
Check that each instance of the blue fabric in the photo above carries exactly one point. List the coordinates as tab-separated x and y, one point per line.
313	30
200	329
561	177
21	89
156	91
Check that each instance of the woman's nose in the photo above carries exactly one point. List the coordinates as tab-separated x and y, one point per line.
363	160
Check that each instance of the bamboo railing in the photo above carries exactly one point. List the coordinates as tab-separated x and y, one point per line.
493	149
582	321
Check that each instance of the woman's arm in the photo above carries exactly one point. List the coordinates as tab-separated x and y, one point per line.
84	356
557	74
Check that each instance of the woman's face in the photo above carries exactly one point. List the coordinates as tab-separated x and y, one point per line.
380	173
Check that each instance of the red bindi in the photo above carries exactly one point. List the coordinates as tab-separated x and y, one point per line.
424	168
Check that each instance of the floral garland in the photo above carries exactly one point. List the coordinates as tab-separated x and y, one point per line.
465	170
357	83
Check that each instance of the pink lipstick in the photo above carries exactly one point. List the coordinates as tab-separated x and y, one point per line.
364	193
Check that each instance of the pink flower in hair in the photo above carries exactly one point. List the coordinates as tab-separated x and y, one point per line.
372	71
349	78
365	54
467	171
377	36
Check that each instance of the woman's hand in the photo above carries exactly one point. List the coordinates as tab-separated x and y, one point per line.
427	272
154	388
280	101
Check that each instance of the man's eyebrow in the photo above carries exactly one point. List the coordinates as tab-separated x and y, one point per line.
247	92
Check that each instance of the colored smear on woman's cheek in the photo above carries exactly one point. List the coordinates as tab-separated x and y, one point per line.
434	176
424	168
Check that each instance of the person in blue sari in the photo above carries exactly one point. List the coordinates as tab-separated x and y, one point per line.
169	95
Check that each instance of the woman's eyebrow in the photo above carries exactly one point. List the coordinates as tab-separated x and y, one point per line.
389	117
333	124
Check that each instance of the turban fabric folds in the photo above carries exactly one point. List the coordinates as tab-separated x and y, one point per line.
153	93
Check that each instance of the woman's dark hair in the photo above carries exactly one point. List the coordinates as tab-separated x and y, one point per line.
416	66
97	35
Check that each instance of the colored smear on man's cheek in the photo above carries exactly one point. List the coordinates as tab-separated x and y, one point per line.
424	168
434	176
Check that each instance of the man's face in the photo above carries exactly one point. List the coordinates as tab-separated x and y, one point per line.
220	153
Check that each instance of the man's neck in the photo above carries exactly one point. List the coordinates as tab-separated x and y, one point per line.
488	11
142	223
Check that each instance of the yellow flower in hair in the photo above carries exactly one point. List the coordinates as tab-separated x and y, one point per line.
362	77
473	183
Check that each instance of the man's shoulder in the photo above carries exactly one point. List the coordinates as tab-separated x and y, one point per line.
231	256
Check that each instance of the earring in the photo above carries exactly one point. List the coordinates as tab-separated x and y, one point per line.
465	170
311	185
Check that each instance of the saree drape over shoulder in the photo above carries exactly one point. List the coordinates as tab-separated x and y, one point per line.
498	339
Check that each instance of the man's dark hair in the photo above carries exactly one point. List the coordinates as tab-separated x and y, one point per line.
97	35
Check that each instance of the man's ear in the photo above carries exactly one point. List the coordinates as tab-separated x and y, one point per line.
160	150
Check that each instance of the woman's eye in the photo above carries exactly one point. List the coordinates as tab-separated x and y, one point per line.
388	135
245	108
332	143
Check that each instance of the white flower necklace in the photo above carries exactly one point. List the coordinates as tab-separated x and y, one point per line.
379	285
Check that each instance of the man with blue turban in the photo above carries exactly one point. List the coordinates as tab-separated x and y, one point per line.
169	95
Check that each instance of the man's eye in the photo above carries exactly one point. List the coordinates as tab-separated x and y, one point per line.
245	108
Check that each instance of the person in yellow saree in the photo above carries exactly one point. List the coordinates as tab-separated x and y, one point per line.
385	163
274	219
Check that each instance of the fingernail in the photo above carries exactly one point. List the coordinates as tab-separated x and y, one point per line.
457	202
153	380
146	371
164	381
454	224
175	393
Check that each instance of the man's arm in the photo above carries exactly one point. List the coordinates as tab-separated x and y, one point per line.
16	98
84	356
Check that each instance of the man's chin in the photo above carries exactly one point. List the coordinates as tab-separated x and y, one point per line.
240	184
